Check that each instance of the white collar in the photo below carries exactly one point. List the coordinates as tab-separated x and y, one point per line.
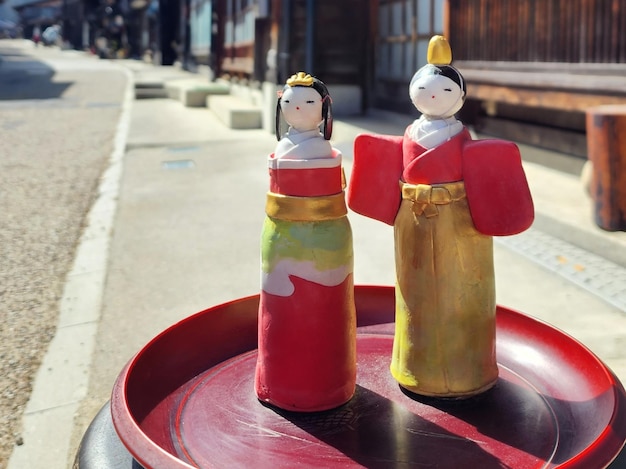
430	133
297	136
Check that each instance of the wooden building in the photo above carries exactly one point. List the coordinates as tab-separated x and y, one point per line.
367	49
269	40
400	31
533	67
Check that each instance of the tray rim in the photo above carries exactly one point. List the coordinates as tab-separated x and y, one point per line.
150	455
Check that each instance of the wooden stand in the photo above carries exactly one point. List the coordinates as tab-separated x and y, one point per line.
606	145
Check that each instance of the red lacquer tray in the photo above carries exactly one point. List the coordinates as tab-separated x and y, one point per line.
187	400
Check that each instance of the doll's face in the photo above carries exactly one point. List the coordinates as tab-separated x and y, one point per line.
436	95
302	107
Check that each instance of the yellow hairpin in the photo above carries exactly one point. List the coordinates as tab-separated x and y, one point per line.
439	51
300	79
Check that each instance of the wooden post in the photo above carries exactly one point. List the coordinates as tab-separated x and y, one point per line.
606	147
446	19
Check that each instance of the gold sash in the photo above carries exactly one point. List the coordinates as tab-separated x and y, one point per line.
286	207
425	198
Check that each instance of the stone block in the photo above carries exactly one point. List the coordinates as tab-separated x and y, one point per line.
234	112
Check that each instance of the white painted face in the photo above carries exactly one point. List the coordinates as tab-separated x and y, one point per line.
302	107
436	96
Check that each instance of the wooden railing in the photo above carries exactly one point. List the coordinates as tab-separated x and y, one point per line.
575	31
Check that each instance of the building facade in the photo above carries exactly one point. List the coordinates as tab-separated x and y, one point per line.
367	50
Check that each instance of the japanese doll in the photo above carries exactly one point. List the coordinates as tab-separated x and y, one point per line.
446	195
307	318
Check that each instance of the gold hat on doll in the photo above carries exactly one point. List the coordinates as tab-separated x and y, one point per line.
439	51
300	79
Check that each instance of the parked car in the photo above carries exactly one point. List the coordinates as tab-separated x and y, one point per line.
51	35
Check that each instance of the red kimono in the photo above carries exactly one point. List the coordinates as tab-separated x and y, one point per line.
307	317
497	190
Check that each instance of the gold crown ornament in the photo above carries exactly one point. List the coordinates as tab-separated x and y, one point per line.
439	51
300	79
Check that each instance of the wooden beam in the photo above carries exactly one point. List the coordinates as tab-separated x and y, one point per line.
563	100
446	19
563	141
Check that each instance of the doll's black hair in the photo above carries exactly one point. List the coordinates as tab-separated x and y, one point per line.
447	71
327	108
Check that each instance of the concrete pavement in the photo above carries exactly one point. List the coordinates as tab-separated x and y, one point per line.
187	197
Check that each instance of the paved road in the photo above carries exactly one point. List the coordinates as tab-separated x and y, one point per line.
58	114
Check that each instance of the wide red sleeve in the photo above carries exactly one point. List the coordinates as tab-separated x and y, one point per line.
374	189
497	190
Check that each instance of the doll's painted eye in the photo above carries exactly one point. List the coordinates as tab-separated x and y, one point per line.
421	88
285	100
447	89
310	101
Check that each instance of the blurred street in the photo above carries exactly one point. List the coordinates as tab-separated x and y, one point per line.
58	115
121	217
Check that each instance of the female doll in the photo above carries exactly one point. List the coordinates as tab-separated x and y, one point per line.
446	196
307	319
